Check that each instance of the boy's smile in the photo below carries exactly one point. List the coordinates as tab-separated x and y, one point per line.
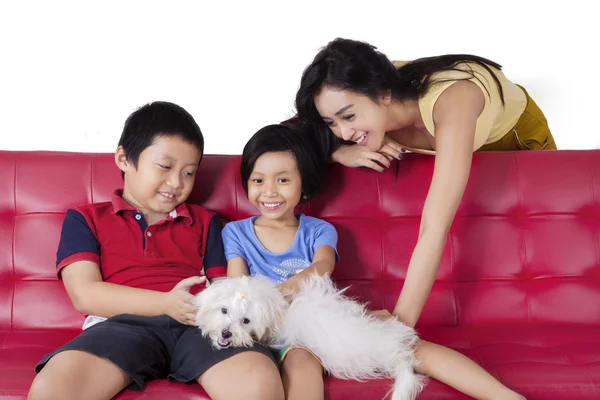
164	176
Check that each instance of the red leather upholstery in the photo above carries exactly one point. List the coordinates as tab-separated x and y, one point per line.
518	289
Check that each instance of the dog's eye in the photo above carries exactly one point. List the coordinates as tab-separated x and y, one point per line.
224	310
246	321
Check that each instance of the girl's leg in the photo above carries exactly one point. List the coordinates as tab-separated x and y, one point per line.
74	374
460	372
246	376
302	376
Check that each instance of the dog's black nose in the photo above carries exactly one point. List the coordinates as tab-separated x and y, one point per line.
226	334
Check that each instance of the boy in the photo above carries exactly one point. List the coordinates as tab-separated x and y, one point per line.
129	264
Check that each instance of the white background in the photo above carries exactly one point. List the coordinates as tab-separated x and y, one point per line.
71	72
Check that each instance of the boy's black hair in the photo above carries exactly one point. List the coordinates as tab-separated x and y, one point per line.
159	118
275	138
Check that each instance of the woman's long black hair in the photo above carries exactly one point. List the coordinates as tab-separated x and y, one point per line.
359	67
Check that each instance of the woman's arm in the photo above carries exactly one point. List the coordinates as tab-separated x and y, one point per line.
455	116
237	266
323	263
355	156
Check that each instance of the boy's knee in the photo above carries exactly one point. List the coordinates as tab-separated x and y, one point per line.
44	388
301	360
264	382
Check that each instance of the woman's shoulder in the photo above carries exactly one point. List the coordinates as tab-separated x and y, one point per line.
399	63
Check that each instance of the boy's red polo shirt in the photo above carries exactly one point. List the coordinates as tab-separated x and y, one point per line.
115	236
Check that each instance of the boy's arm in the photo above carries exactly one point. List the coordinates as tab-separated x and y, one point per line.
91	295
323	263
215	264
237	266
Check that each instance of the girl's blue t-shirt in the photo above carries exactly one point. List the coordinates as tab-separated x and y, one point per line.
239	240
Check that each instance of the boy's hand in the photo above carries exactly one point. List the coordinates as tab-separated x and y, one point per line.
178	302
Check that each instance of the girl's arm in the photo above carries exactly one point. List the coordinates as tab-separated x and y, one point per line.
237	266
323	263
455	116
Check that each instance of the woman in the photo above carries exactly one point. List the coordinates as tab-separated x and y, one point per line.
365	109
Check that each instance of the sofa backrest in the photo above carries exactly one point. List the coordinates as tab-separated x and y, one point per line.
523	249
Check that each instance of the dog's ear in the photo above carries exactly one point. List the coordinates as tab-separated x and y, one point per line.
202	303
274	309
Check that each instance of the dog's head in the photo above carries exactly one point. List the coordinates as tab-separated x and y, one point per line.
236	312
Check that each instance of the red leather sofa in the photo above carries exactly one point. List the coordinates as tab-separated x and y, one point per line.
518	289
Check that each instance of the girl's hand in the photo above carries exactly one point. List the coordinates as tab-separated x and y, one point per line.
286	291
179	301
355	156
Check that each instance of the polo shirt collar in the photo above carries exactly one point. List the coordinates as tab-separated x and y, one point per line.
119	204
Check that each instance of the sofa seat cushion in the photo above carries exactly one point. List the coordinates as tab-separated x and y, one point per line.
546	362
540	362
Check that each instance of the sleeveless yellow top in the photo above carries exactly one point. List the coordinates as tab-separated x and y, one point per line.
495	120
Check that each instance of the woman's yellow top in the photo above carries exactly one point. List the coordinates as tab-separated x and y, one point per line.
496	120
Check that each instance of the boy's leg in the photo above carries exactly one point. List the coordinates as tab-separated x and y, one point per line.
460	372
227	374
302	376
246	376
125	351
74	374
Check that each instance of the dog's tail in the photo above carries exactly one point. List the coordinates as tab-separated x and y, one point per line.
408	383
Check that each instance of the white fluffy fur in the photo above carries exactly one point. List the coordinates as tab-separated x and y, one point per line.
350	343
255	300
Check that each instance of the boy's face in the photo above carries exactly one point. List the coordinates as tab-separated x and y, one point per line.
164	177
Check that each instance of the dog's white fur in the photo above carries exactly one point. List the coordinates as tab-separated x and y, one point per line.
350	343
236	312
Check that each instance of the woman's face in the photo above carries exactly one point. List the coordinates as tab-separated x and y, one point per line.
353	116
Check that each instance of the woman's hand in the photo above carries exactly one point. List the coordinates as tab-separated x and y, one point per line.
382	314
390	148
355	156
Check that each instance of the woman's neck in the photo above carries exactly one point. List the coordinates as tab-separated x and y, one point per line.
404	114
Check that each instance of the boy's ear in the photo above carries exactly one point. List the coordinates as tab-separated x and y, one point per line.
121	159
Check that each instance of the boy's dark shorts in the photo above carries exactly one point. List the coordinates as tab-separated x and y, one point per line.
148	348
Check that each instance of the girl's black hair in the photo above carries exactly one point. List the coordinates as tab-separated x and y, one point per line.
359	67
286	137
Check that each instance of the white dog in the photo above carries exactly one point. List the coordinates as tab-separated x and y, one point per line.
350	343
239	311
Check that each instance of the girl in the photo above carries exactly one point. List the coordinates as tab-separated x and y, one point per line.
280	170
366	109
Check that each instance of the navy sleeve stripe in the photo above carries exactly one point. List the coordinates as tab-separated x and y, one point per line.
215	254
75	237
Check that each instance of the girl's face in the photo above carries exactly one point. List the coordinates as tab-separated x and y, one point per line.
275	185
353	116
